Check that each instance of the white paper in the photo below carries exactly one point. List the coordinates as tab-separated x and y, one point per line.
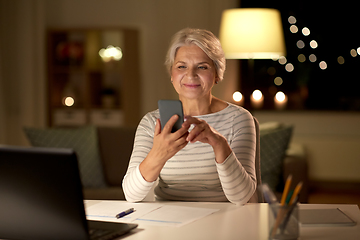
147	213
107	211
174	216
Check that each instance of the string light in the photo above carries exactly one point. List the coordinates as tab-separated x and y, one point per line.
289	67
341	60
294	29
282	60
353	53
306	31
292	20
313	44
300	44
301	58
278	81
312	58
323	65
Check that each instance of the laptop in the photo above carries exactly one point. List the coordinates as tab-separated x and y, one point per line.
41	197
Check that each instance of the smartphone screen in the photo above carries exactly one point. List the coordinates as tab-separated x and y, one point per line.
167	109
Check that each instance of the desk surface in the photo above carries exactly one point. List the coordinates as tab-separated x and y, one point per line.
241	222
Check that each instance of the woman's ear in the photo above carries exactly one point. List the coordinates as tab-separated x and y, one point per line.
170	73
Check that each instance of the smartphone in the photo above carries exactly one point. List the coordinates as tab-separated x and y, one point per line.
167	109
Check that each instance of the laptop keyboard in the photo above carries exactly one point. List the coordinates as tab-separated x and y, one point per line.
102	234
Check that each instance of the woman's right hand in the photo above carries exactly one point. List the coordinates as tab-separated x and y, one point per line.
165	145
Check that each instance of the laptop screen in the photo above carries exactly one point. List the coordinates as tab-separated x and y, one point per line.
41	194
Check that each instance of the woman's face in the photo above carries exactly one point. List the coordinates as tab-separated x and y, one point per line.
193	73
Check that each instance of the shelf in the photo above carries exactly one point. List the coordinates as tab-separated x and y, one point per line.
103	93
78	117
69	117
107	118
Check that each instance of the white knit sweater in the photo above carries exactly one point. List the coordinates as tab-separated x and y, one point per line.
193	174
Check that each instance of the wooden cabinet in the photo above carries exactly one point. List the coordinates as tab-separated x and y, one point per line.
83	87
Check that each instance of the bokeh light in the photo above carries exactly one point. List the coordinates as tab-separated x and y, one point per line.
111	53
341	60
353	53
313	44
257	94
294	29
237	96
300	44
280	96
292	20
69	101
305	31
289	67
282	60
323	65
278	81
301	58
312	58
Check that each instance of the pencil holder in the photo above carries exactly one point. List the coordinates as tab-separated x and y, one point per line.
283	222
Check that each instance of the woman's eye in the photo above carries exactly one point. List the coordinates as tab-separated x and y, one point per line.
180	67
203	67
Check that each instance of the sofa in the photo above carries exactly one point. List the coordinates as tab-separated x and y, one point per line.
112	147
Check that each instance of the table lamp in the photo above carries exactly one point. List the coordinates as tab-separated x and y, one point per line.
252	33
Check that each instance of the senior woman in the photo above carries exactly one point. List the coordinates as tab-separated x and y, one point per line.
212	157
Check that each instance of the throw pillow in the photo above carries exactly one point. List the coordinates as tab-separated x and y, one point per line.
273	145
83	140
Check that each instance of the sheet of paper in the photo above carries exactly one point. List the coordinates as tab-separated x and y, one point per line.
147	213
107	210
174	216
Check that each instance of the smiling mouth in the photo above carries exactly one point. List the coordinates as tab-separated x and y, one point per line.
192	85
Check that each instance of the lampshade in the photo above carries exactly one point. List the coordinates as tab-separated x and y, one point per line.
252	33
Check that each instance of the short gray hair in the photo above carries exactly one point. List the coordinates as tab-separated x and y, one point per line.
205	40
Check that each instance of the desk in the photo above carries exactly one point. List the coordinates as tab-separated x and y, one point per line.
248	222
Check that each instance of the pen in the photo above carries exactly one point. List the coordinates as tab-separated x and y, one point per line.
268	194
124	213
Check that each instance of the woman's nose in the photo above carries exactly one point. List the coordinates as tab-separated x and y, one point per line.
192	73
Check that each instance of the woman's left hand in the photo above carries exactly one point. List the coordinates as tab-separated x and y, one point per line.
203	132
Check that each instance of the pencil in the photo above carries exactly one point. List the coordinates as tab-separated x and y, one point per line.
295	193
286	190
282	212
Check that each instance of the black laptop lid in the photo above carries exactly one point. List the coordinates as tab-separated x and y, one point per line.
40	194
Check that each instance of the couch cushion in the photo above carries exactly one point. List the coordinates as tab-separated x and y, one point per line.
109	193
116	146
83	140
273	145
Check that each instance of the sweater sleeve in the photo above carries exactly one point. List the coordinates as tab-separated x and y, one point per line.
237	174
134	185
